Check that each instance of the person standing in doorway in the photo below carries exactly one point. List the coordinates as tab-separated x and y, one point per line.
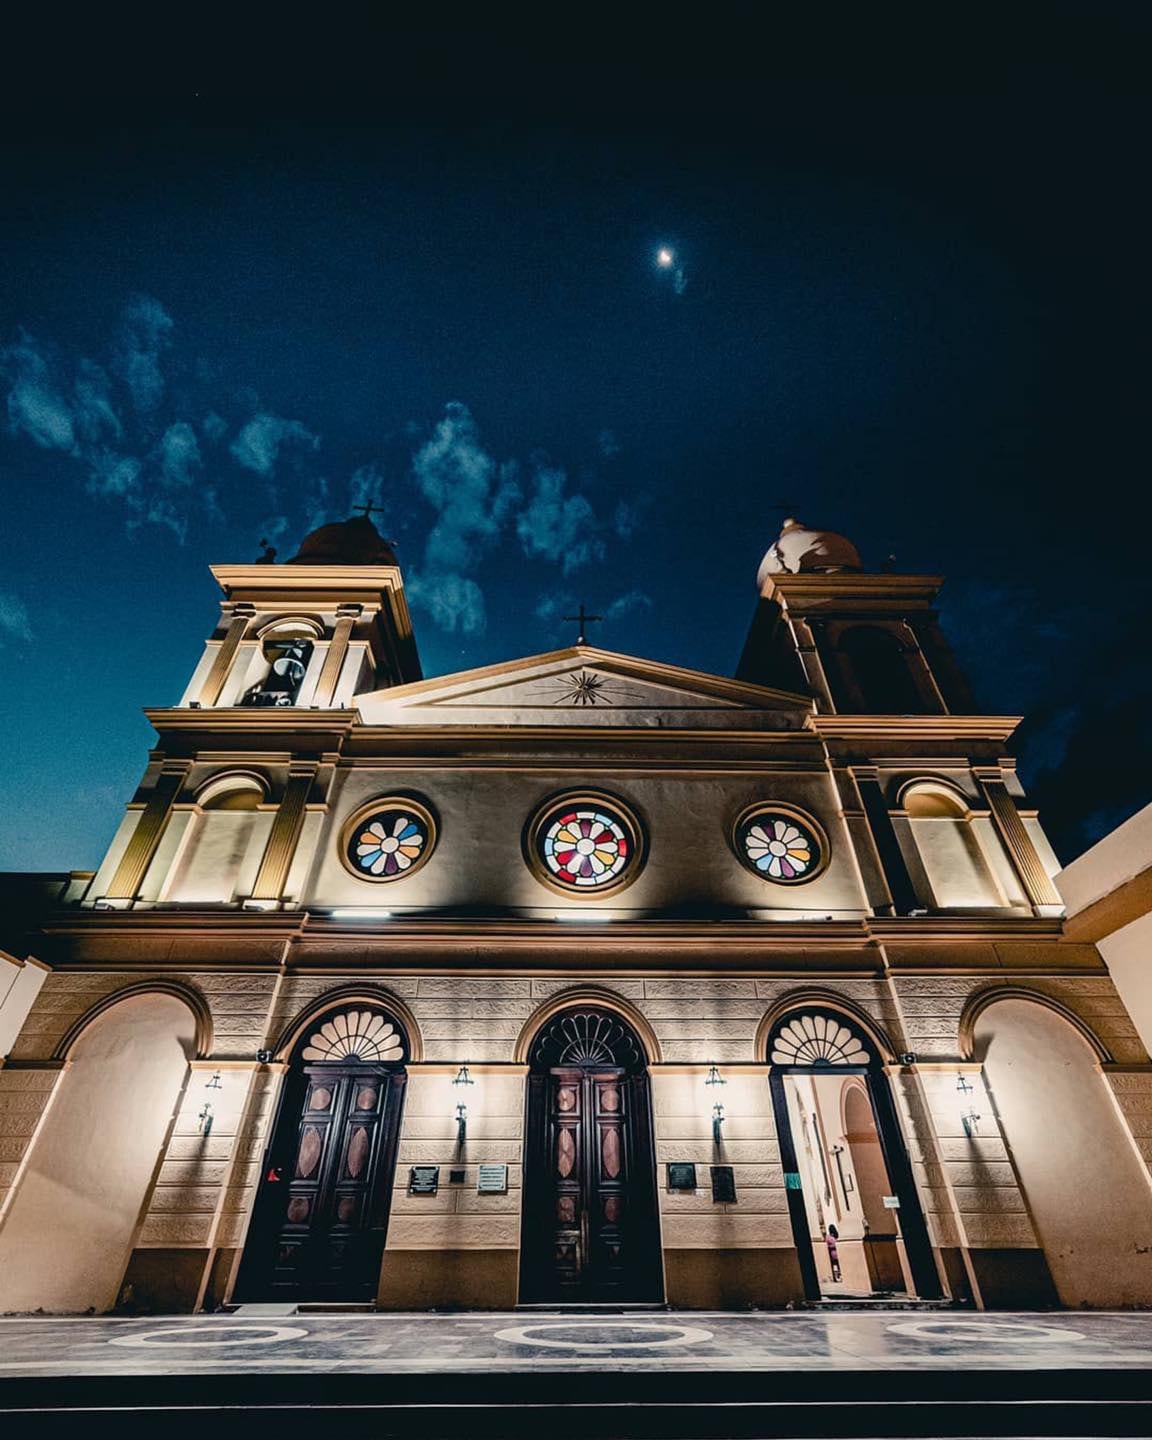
831	1239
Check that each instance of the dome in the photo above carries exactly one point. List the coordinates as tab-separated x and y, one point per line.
347	542
800	549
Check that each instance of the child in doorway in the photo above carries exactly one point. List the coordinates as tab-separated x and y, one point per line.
830	1240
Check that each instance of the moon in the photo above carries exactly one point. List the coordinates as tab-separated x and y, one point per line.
665	258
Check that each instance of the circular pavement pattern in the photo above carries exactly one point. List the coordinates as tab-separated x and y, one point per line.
663	1336
177	1336
996	1330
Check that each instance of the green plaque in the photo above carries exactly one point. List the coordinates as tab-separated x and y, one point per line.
792	1180
424	1179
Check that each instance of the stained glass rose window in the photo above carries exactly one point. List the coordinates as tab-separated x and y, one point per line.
779	845
389	839
585	844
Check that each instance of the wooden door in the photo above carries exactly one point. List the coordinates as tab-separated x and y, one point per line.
319	1233
596	1239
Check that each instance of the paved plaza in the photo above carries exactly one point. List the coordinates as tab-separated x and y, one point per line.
390	1343
651	1374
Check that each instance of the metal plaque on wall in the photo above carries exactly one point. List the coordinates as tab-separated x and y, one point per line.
424	1179
492	1179
681	1177
723	1185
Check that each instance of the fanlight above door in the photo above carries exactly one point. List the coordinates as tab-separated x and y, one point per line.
587	1037
363	1035
818	1040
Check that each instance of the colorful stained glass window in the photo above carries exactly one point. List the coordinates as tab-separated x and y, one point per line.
387	843
778	845
585	845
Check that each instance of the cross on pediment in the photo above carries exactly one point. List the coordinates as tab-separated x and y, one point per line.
583	620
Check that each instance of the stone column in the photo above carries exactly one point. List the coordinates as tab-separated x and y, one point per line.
334	660
904	897
147	835
1037	884
286	827
214	680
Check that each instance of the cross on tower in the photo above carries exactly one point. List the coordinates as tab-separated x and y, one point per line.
583	620
368	509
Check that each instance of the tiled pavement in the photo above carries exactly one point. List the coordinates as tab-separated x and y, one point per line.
900	1341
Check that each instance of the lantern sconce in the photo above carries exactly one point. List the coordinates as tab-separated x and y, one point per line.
970	1119
204	1119
717	1123
462	1078
714	1076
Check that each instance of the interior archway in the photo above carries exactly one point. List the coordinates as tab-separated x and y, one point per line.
856	1216
1084	1183
590	1229
68	1235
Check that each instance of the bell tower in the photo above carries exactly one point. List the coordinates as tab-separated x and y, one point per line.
314	632
861	643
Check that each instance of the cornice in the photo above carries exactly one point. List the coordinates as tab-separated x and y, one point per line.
232	719
862	728
287	581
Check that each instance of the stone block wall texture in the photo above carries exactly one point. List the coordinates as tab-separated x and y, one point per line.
682	1115
457	1217
205	1184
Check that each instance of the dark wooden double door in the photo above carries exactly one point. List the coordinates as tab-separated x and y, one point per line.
322	1214
591	1229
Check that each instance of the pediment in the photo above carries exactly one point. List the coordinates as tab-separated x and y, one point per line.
585	686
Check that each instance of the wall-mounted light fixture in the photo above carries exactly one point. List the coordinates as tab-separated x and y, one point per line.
462	1078
969	1119
717	1123
204	1119
714	1076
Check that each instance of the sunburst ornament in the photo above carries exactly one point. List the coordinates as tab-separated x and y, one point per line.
363	1035
818	1040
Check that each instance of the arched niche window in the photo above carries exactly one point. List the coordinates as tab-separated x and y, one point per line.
960	856
878	672
223	843
286	651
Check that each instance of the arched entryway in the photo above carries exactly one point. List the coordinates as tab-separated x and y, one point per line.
69	1232
321	1215
590	1229
846	1169
1084	1183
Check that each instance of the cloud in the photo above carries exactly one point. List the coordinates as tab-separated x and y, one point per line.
473	497
471	494
36	405
627	604
114	475
608	444
259	443
559	527
93	412
14	622
179	456
145	333
454	602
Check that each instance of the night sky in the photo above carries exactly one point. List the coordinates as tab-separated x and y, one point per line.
250	282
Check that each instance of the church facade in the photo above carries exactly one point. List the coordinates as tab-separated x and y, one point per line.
581	978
